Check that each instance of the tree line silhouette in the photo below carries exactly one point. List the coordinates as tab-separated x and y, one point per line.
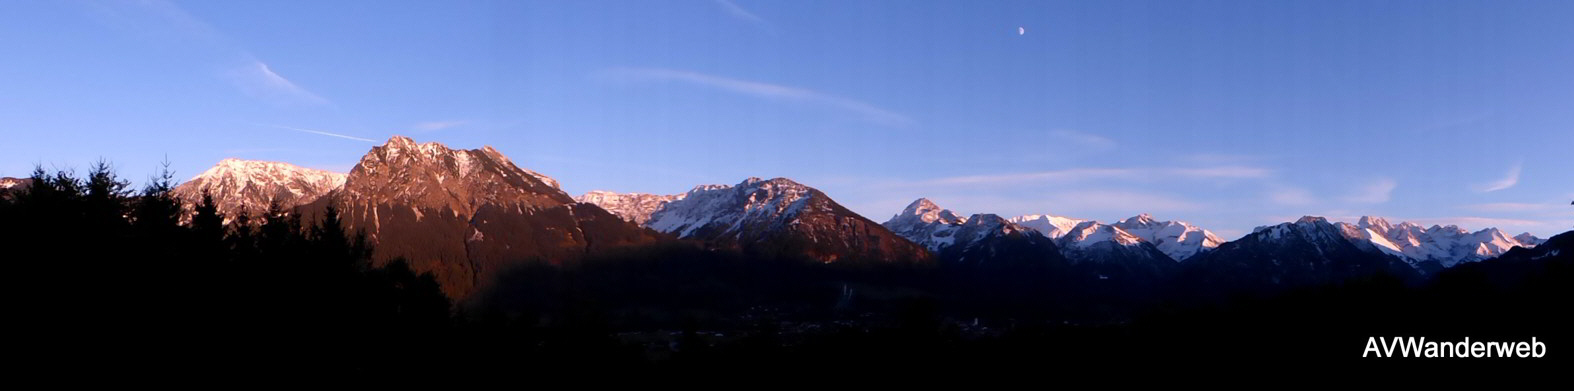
104	276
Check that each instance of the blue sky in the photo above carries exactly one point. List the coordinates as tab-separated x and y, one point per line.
1228	114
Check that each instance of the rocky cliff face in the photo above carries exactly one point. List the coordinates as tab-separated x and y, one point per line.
469	215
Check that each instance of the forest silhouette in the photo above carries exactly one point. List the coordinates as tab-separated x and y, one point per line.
106	276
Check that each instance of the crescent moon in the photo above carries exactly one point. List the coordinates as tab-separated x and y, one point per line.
1021	31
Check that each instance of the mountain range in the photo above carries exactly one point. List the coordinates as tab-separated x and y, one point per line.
251	186
468	215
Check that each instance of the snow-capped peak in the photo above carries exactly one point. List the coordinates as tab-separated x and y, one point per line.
254	185
925	211
1528	239
634	207
1049	225
1377	223
1177	239
8	183
752	200
939	229
1447	245
1089	233
779	210
1141	219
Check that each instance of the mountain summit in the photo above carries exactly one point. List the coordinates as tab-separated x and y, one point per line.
468	215
634	207
1429	249
1177	239
1308	251
431	175
781	215
254	185
978	240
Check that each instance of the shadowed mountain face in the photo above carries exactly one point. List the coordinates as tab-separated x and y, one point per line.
467	215
782	216
1307	252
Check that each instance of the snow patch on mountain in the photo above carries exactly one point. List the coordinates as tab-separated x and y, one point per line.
253	185
1447	245
634	207
937	228
1177	239
1051	226
7	183
729	208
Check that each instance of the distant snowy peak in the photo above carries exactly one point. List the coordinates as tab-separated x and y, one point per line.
1051	226
1089	233
1094	243
10	186
924	211
1446	245
634	207
937	228
779	211
1528	239
8	182
253	185
729	208
1177	239
244	172
1310	228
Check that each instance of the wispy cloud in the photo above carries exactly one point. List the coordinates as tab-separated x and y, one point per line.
432	126
163	19
1067	175
869	112
739	13
1220	158
1122	201
1290	196
1376	192
319	132
1509	180
1089	174
260	81
1519	207
1084	140
1220	172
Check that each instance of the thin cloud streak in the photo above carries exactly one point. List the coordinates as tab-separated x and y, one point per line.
1545	209
260	81
1509	180
1291	196
739	13
254	77
1085	140
1376	192
322	133
757	89
1088	174
432	126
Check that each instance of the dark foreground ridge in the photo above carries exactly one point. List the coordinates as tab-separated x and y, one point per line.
105	275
